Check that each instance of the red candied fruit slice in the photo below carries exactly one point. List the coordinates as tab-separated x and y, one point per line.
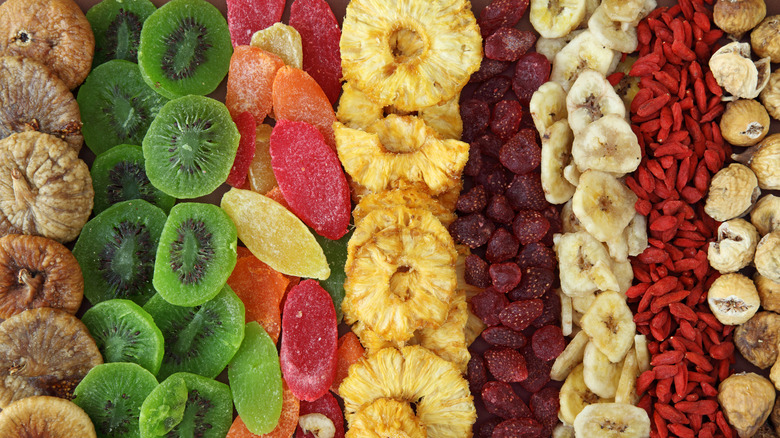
530	226
493	90
534	284
245	17
488	304
476	271
504	276
297	96
506	364
521	154
311	178
519	428
501	13
245	122
320	36
506	118
501	336
509	44
476	118
502	401
261	289
308	353
548	342
502	246
531	71
545	404
348	352
538	372
476	373
520	314
495	177
328	406
250	81
525	192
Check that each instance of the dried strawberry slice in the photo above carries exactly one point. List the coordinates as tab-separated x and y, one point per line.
538	372
531	71
519	428
501	13
476	373
502	401
245	17
501	336
535	283
506	364
544	404
548	342
245	122
488	305
520	314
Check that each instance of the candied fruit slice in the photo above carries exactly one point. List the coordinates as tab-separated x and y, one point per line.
281	40
348	352
245	155
298	97
246	17
288	421
261	175
250	81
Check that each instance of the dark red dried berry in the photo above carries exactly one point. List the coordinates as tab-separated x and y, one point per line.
476	373
476	271
472	201
501	336
488	306
500	210
473	230
506	364
545	404
496	179
548	342
519	428
502	401
535	283
474	164
536	255
553	216
502	246
489	68
520	314
505	276
531	71
551	312
509	44
501	13
506	117
493	89
525	192
521	154
538	372
529	226
476	117
489	144
485	430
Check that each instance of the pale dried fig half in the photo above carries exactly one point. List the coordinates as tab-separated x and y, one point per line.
38	272
45	189
44	352
53	32
45	417
35	99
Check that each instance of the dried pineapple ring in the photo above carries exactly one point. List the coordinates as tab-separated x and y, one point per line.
410	53
397	150
448	341
411	197
358	111
446	409
448	199
400	272
386	418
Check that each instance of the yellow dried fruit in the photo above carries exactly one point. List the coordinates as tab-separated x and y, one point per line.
44	416
735	247
736	72
283	41
747	400
733	299
744	123
768	256
411	197
261	175
764	161
765	215
733	191
765	39
757	339
736	17
383	418
769	291
770	96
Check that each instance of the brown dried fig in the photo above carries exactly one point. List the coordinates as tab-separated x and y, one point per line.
38	272
738	16
769	291
765	38
44	416
45	189
747	400
765	431
53	32
34	98
44	352
757	339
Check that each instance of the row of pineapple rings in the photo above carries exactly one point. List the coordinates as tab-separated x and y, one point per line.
402	296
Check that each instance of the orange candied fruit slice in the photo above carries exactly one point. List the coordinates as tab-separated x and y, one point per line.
298	97
287	422
348	351
261	289
250	81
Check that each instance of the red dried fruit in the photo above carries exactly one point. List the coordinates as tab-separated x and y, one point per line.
519	314
530	226
502	401
536	255
245	17
474	164
504	276
531	71
476	373
488	305
525	192
472	201
476	272
473	230
485	430
548	342
326	405
519	428
476	117
493	89
508	44
501	13
320	36
538	372
489	68
501	336
499	209
551	312
544	404
506	117
502	246
490	145
495	177
245	122
521	154
534	284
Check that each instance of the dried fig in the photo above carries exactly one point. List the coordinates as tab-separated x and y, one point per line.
44	352
735	247
765	39
733	190
733	299
44	416
765	215
757	339
38	272
45	189
767	259
738	16
769	291
746	400
53	32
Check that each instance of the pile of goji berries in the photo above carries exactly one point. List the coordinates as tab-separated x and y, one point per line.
674	116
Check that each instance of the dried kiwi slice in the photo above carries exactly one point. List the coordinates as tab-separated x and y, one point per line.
185	48
124	332
44	416
190	147
116	252
200	339
112	395
196	254
117	28
119	175
44	352
187	405
116	105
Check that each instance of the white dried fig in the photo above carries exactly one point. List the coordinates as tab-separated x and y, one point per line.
735	247
765	215
744	123
764	161
733	299
770	97
733	191
768	256
736	72
769	291
765	39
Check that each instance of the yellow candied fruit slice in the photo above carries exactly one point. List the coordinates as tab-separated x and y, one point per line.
261	175
281	40
275	235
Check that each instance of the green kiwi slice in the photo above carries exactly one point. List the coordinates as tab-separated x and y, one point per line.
190	147
200	339
117	27
116	251
196	254
117	106
124	332
185	48
119	175
187	405
112	395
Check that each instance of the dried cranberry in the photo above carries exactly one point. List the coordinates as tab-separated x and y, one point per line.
488	306
525	192
489	144
548	342
473	230
508	44
501	336
545	404
493	89
519	428
502	401
472	201
505	120
476	271
501	13
534	284
476	373
505	276
476	117
506	364
500	210
488	69
520	314
501	246
536	255
474	163
529	226
521	154
552	310
538	372
531	71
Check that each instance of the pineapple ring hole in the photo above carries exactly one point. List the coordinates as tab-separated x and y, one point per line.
405	44
400	281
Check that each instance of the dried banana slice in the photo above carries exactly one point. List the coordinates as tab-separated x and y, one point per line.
556	156
585	265
547	106
616	35
584	52
575	396
614	420
603	205
607	145
591	97
556	18
610	325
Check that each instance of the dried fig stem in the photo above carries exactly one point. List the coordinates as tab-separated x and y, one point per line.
22	192
34	283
